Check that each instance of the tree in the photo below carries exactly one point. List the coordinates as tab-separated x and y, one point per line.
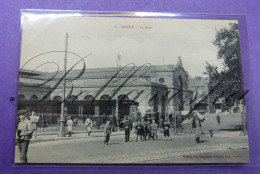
212	72
214	76
231	80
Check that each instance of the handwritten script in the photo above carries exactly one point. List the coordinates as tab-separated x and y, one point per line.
131	75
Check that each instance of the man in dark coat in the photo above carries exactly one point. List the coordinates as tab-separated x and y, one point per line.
166	129
147	131
143	136
138	130
127	127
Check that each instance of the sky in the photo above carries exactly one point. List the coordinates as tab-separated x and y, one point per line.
158	41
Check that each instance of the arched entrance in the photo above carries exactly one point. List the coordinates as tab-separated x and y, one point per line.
34	97
123	107
163	106
155	103
88	108
21	97
72	105
105	108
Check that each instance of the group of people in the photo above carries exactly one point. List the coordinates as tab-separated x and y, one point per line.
144	130
148	131
88	124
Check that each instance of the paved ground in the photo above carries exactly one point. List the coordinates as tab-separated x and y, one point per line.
226	146
223	147
229	122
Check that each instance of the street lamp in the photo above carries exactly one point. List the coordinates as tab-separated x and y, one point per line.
62	120
117	84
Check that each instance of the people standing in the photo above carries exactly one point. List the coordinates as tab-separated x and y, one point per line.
196	124
147	131
107	132
166	129
69	124
143	123
23	135
88	125
34	120
138	130
127	128
154	128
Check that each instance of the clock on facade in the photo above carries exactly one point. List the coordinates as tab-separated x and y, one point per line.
161	80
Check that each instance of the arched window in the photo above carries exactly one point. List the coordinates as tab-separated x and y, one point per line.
72	98
104	106
89	98
34	97
163	103
154	102
122	97
21	97
105	97
57	98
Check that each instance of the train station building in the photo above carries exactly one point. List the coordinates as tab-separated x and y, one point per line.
161	89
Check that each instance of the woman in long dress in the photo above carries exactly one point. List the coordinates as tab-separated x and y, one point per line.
69	123
196	124
88	124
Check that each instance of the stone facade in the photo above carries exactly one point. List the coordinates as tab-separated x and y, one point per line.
160	88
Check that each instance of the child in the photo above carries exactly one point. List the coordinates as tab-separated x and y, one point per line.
210	132
107	132
138	130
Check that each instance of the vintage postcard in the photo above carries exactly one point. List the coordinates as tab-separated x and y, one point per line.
120	88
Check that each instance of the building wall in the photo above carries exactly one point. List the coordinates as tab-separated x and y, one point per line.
163	80
31	91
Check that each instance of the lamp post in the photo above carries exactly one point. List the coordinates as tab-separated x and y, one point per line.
117	83
62	120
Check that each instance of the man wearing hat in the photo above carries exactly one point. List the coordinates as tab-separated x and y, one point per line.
127	128
23	134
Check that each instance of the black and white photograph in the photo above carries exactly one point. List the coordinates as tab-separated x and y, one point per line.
130	89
